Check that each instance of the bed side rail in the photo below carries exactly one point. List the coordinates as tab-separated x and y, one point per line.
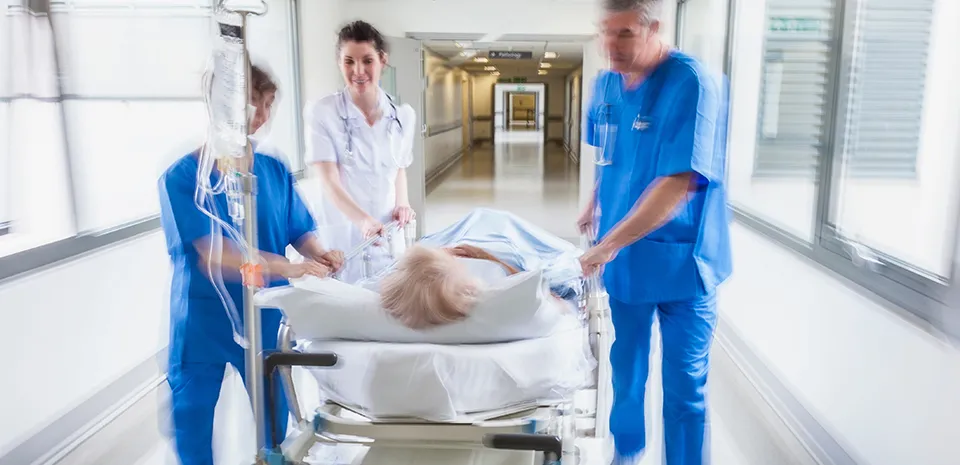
595	305
363	250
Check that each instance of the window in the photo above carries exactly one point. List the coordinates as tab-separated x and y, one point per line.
273	41
36	200
702	31
80	155
895	189
133	106
844	138
6	215
779	118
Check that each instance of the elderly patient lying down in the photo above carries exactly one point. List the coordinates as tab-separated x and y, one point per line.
434	286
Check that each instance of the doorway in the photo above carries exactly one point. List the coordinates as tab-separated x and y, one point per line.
523	111
519	112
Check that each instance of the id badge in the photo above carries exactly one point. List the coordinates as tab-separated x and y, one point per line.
608	139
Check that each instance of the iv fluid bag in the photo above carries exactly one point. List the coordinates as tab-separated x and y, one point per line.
226	99
228	93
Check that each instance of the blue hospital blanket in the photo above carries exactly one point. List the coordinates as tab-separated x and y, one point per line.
518	243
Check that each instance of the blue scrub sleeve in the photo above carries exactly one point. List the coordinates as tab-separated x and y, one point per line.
299	220
182	221
690	135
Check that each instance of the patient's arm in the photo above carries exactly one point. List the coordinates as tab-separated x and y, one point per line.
470	251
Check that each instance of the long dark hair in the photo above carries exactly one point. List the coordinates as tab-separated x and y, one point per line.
362	31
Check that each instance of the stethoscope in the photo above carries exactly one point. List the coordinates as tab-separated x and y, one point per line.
396	128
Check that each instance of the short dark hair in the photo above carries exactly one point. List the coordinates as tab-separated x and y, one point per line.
361	31
262	83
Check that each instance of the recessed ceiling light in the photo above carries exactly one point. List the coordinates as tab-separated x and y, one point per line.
549	55
489	68
542	72
468	53
481	59
545	65
495	73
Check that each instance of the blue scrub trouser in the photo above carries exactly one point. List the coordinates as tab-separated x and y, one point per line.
686	330
195	391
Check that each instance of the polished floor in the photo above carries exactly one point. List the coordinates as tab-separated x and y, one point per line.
518	174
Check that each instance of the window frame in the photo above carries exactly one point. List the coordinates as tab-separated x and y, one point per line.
38	258
895	285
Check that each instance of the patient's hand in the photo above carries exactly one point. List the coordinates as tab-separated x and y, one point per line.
469	251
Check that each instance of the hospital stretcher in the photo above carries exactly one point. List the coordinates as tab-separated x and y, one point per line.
531	433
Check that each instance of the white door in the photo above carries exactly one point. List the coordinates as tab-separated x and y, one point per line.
406	59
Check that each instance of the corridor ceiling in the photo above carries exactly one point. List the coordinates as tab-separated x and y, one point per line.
567	52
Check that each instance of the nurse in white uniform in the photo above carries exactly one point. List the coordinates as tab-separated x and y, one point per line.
360	141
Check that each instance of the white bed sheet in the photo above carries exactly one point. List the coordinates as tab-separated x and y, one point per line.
453	383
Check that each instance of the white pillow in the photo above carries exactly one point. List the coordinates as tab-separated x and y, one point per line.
518	307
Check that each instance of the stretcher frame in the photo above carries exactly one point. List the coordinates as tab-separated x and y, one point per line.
549	431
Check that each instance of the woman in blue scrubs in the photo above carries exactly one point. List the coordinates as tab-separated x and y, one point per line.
201	334
658	119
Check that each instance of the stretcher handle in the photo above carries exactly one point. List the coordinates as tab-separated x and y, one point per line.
273	360
551	446
387	228
588	239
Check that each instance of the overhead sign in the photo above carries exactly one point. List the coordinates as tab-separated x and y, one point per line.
505	55
786	24
512	80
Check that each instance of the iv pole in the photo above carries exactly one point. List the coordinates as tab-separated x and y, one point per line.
251	269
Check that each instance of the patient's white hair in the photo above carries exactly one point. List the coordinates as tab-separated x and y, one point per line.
428	288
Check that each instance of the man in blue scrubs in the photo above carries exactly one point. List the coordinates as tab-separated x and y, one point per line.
658	120
201	334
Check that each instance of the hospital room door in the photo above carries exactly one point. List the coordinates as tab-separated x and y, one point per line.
406	61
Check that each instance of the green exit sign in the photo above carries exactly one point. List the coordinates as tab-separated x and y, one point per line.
788	24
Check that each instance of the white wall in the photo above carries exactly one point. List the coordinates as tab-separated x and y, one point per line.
593	63
319	22
886	390
109	313
572	129
483	106
492	16
444	112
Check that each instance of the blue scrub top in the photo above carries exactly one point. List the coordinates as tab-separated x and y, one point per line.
200	331
674	122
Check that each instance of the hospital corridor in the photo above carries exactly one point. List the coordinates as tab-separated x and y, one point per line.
444	232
